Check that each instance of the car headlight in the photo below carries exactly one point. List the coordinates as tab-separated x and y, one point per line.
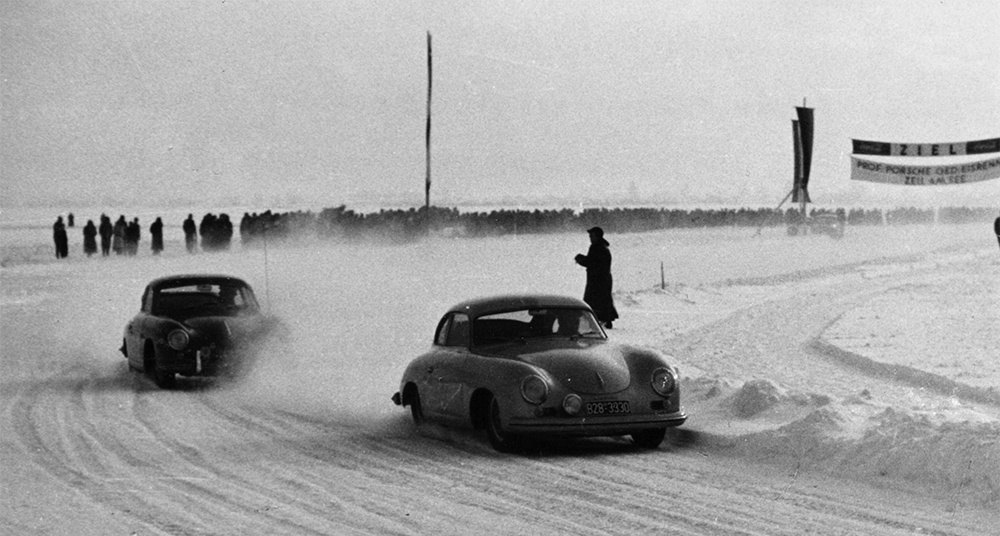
572	404
178	339
534	390
664	381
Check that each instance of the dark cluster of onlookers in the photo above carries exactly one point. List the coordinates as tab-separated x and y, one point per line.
216	232
256	228
407	224
340	223
961	215
122	236
404	225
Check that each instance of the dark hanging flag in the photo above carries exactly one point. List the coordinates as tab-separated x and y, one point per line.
804	144
882	148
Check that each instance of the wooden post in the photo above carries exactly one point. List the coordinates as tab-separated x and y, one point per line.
663	280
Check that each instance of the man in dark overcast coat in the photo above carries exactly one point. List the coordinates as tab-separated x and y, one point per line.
597	293
996	228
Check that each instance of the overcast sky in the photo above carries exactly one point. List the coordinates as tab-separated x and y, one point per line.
323	103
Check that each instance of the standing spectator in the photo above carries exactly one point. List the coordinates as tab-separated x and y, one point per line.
69	220
132	234
89	238
245	223
156	232
224	231
207	231
105	229
597	293
190	234
60	238
996	228
118	235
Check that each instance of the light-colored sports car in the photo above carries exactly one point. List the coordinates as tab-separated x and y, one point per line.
536	365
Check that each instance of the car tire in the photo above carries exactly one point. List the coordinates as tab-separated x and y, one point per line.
416	410
500	441
162	379
649	439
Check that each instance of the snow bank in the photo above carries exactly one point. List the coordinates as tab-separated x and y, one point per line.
759	421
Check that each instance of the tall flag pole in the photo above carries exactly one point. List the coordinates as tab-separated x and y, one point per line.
797	146
427	185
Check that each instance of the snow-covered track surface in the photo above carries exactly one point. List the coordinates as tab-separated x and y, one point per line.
796	425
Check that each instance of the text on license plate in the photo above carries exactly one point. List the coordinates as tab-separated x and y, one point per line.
617	407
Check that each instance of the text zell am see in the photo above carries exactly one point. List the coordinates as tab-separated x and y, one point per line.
869	170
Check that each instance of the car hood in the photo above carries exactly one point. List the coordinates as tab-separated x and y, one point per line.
586	367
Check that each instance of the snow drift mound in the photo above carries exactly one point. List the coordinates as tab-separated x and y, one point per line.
958	461
763	422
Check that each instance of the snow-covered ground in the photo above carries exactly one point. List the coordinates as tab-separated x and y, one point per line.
833	386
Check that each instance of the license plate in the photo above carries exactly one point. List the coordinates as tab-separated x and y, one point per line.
618	407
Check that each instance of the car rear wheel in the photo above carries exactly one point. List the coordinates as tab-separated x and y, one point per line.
649	439
500	441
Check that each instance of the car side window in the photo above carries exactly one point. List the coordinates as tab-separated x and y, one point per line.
442	334
147	301
458	334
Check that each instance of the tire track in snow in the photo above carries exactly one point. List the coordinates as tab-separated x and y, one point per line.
42	418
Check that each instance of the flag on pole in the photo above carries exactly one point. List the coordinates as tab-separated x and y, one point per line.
803	131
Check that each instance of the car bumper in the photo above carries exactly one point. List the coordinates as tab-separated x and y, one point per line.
197	363
595	426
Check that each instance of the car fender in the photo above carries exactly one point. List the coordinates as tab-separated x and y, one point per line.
502	378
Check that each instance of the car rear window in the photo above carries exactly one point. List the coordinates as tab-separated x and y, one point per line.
203	299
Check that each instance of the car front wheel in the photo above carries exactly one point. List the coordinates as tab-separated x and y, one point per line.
162	379
649	439
500	441
416	410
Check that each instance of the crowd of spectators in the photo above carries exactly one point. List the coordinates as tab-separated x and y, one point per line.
402	225
407	224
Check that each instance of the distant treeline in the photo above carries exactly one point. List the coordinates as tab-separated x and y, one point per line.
343	223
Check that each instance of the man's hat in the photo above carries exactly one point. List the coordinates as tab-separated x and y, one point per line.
596	230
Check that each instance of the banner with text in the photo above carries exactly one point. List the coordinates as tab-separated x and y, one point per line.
882	148
911	175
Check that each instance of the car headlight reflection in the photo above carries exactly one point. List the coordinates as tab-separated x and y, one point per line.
534	390
664	381
572	404
178	339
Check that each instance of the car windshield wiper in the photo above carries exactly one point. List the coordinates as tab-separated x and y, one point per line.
497	342
586	335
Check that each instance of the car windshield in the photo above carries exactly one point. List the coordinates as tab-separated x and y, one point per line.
204	299
537	323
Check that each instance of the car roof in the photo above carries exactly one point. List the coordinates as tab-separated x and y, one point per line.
511	302
193	279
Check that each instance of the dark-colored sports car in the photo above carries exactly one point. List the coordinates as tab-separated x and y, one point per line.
194	325
520	366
